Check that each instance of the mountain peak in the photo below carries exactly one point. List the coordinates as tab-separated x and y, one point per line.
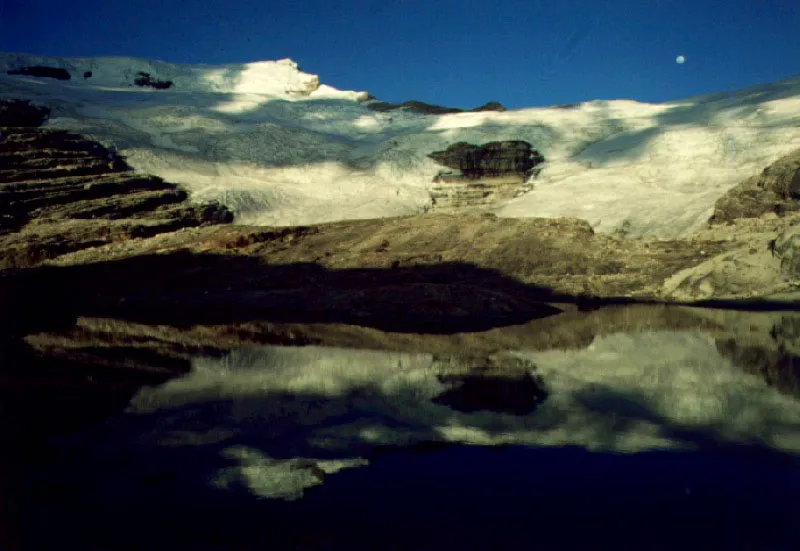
274	78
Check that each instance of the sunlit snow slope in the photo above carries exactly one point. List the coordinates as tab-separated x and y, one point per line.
281	149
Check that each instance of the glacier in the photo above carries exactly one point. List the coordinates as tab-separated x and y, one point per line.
280	148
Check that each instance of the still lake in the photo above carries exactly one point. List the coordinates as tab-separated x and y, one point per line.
652	429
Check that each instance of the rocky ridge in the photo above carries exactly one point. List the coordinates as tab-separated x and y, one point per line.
422	108
60	192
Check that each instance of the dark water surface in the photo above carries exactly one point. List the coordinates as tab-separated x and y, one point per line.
466	497
648	429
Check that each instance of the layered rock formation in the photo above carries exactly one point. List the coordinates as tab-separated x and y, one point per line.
455	194
60	193
492	159
482	177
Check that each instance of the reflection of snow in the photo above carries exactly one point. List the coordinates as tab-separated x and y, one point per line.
271	478
625	393
678	378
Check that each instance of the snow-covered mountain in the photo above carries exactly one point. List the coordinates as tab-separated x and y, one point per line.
280	148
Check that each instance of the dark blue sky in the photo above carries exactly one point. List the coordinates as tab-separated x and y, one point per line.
453	52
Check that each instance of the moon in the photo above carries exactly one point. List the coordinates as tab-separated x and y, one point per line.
680	60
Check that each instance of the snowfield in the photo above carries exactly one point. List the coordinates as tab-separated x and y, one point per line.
280	148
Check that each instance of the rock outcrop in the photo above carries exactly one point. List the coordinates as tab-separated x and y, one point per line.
775	190
22	113
493	159
453	194
760	219
490	106
60	192
145	80
422	108
41	71
786	248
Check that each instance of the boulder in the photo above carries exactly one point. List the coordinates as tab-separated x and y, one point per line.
505	388
490	106
779	367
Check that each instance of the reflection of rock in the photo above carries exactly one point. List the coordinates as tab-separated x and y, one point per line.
41	71
779	367
515	393
56	389
571	329
787	248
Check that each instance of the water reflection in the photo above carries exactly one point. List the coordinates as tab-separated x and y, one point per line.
277	418
279	423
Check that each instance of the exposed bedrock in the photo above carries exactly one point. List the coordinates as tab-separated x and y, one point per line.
422	108
21	113
41	71
775	190
60	192
514	157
